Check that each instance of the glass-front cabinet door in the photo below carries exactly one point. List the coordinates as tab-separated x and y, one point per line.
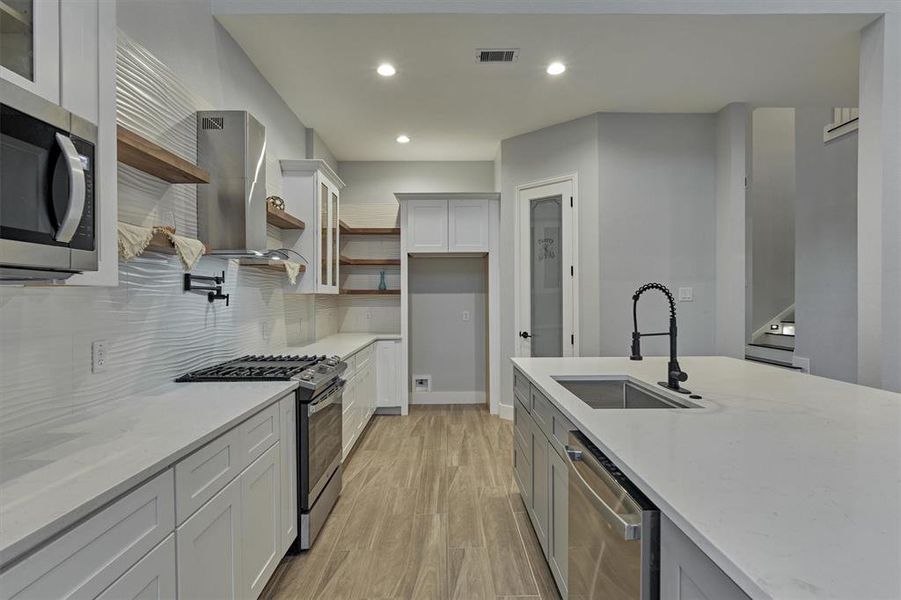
329	250
29	45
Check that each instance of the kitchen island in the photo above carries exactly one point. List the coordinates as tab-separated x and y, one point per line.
789	483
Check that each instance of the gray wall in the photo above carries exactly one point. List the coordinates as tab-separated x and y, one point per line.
826	247
185	37
451	350
732	160
317	148
377	181
772	199
657	223
647	213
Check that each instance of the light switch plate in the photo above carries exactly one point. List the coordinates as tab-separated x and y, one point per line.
98	356
685	294
465	315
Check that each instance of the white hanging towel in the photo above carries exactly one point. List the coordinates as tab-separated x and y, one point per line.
293	270
188	249
133	239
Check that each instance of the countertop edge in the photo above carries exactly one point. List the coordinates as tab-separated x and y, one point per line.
37	539
729	567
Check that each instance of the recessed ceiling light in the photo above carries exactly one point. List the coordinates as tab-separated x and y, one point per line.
403	139
386	70
555	68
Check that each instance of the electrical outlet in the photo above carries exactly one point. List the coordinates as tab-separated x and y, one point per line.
367	315
465	315
98	356
685	294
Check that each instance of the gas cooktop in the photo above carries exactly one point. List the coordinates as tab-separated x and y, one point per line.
312	372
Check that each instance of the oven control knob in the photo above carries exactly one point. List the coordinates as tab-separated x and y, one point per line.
332	361
324	368
307	375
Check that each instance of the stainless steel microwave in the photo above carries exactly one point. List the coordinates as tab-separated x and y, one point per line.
47	201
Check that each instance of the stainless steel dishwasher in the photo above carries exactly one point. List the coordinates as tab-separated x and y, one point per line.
614	530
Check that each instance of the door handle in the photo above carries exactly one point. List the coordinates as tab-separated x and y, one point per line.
525	335
74	211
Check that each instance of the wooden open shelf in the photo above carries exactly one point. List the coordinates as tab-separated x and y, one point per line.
160	243
270	265
347	292
149	157
370	262
282	219
347	229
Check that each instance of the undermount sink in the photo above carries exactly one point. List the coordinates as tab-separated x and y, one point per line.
618	393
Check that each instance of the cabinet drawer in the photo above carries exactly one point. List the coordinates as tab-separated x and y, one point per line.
94	554
521	388
258	433
541	412
153	578
201	475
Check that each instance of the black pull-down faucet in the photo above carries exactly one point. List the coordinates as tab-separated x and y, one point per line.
675	374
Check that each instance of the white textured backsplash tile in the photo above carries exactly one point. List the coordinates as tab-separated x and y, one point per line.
154	330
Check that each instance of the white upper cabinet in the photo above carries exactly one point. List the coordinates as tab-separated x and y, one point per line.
452	222
467	225
426	226
312	192
30	46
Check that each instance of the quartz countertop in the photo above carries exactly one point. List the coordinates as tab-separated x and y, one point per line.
342	344
790	483
53	476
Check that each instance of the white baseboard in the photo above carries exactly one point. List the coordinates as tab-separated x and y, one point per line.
505	411
447	398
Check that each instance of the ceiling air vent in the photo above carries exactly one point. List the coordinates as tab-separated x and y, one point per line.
497	55
212	123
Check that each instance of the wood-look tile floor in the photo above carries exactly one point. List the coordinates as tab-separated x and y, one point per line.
429	510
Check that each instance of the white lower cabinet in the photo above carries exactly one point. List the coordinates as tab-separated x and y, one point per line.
153	578
288	441
208	545
260	542
89	557
360	396
387	367
686	573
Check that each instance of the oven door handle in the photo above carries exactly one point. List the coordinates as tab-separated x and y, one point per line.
75	209
328	400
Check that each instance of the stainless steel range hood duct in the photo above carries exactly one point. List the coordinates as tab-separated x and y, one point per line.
231	209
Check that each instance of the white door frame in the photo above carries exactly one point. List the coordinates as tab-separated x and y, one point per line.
571	233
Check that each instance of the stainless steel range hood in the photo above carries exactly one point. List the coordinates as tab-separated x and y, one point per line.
231	209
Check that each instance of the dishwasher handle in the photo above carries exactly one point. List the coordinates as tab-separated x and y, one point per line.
630	529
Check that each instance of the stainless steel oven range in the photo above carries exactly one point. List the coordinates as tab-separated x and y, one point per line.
319	410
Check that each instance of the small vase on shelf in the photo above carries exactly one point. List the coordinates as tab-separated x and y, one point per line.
382	285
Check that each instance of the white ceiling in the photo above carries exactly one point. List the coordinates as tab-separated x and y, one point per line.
455	109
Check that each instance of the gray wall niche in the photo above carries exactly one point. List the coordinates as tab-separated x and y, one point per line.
442	344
